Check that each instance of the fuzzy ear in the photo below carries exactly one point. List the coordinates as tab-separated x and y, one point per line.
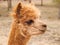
19	6
16	11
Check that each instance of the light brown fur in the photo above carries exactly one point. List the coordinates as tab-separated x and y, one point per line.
25	24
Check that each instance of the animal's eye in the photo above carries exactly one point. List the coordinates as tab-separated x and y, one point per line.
29	22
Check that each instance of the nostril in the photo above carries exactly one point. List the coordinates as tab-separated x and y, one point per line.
44	25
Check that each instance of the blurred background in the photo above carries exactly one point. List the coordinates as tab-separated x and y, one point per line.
50	14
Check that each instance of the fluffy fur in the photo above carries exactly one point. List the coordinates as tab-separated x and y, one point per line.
25	24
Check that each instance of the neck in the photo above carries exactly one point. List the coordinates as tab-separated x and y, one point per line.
20	40
16	38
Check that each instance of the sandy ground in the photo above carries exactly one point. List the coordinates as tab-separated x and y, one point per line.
49	15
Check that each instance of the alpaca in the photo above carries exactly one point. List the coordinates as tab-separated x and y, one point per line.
25	24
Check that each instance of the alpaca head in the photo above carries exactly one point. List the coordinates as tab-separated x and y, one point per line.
27	17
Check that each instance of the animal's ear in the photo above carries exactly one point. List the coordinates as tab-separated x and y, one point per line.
18	9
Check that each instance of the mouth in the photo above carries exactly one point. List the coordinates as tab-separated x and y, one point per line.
42	31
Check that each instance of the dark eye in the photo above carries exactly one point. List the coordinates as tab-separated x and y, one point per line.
29	22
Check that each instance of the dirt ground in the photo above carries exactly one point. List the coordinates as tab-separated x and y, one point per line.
49	15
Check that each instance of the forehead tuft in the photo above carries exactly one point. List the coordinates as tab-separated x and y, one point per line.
32	8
